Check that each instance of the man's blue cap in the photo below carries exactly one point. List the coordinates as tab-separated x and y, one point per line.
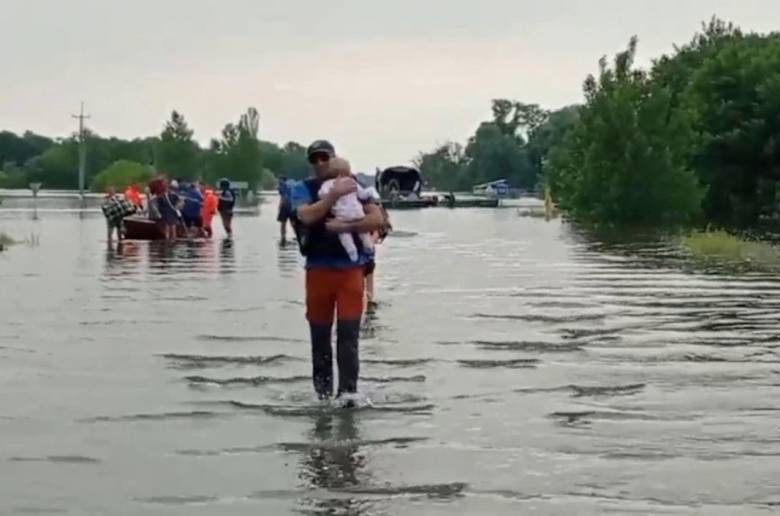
321	147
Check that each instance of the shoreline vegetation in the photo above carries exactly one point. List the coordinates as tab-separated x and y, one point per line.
6	241
725	248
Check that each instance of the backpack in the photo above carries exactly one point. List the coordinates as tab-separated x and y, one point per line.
154	208
299	228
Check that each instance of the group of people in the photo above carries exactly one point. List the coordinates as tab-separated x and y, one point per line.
336	222
189	208
179	208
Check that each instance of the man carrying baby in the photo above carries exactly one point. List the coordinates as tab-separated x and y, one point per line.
334	280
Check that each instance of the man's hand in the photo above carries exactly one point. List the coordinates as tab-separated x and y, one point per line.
343	186
338	226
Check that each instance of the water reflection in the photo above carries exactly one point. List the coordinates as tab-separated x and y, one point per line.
287	259
334	463
191	256
227	254
370	325
161	254
122	258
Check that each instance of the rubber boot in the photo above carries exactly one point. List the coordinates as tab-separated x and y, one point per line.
322	360
347	336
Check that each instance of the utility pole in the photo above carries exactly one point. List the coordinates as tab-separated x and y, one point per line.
82	150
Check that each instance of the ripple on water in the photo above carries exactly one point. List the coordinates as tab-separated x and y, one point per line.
517	363
178	500
439	492
38	510
58	459
549	319
581	391
253	381
399	362
319	410
585	417
163	416
244	338
185	361
297	447
517	345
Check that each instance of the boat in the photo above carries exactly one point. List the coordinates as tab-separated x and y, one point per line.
398	203
401	187
141	228
450	201
498	189
138	227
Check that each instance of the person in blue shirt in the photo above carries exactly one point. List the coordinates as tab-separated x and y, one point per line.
191	211
334	282
169	206
285	208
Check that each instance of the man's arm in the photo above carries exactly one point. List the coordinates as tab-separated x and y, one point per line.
311	213
373	221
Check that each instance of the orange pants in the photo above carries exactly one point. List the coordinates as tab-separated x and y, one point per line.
329	290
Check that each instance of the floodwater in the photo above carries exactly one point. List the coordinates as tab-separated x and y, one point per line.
513	366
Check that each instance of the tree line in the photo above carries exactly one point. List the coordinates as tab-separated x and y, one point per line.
693	139
238	153
512	145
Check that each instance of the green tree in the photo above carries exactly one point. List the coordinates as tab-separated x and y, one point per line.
177	154
19	149
734	100
120	175
237	154
550	133
625	161
445	168
272	155
295	162
14	176
57	167
512	117
493	154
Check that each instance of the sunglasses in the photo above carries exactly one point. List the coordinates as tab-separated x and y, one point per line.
320	157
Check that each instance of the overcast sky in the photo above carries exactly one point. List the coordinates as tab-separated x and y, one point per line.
382	79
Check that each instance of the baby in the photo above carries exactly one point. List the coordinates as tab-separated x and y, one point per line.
349	208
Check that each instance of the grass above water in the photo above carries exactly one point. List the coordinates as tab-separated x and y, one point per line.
5	241
724	247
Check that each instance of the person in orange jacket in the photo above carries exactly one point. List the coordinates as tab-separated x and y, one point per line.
208	211
133	196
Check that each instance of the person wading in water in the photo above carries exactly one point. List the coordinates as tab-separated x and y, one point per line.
334	283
